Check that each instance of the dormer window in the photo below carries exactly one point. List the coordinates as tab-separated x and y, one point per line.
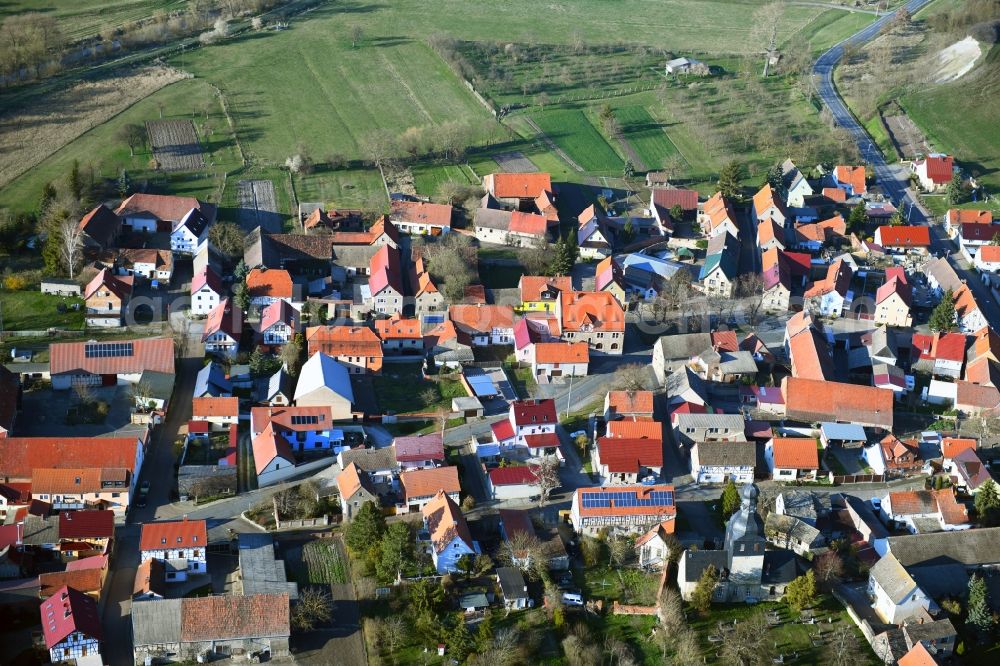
195	538
163	540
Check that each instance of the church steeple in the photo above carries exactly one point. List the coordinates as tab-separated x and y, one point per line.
745	533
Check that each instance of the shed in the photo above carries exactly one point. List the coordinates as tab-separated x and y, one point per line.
468	406
471	602
61	287
845	434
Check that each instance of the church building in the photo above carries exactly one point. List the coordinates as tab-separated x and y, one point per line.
748	572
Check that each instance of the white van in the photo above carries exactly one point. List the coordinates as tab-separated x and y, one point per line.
572	599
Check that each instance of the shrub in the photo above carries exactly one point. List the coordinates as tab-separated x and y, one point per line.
14	283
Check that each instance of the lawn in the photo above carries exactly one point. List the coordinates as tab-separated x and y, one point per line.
573	132
35	311
307	86
402	389
646	136
428	178
829	28
101	152
975	141
789	636
83	18
347	188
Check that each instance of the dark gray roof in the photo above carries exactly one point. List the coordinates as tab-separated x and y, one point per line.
892	578
941	580
160	384
864	511
727	454
371	460
684	345
512	583
728	422
39	531
696	561
211	381
800	504
354	256
745	527
781	567
260	570
968	547
740	362
792	527
928	631
156	622
492	218
684	379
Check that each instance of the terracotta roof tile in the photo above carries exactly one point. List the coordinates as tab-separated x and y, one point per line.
952	446
853	176
269	282
958	216
652	430
224	617
155	354
343	341
173	534
420	212
203	408
532	286
83	580
659	509
816	400
667	198
426	482
517	185
528	223
511	476
526	412
904	236
481	318
561	352
627	455
592	311
163	207
398	328
19	456
629	403
445	521
795	453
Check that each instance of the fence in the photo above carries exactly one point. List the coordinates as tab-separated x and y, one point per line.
859	478
322	521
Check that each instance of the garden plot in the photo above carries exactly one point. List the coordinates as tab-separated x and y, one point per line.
175	145
514	162
258	207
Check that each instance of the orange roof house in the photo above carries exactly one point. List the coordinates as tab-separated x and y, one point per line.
269	284
422	484
584	313
215	409
626	429
561	353
903	237
799	453
398	328
819	401
357	347
173	535
956	217
485	324
629	404
517	185
952	446
630	507
528	224
537	287
852	177
420	217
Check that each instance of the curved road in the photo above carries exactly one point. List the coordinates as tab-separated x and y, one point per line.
894	178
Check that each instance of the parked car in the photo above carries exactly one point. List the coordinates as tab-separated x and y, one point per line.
572	599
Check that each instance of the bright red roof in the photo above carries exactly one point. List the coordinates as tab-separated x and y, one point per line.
904	236
20	455
527	412
174	535
86	524
511	476
68	611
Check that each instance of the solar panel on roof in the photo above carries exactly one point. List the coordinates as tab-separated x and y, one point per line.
627	499
108	350
304	419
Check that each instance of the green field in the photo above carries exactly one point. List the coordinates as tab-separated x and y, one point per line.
427	178
975	141
646	136
100	150
572	131
84	18
829	28
35	311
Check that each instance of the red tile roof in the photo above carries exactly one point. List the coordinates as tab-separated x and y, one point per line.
481	318
173	535
343	341
810	355
636	430
156	354
228	616
562	352
86	524
667	198
426	482
835	194
267	446
511	476
629	403
989	253
532	286
502	430
384	270
541	441
904	236
209	278
627	455
269	282
592	311
952	446
445	521
517	185
163	207
68	611
957	216
278	311
120	286
19	456
416	449
224	319
978	233
83	580
203	408
528	223
72	480
725	341
817	400
851	175
398	328
795	453
939	168
943	346
917	656
291	418
420	212
527	412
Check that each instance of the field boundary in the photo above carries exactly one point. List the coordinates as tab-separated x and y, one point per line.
552	145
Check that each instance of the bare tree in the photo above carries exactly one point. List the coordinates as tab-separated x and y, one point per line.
670	611
687	649
546	475
313	608
134	135
356	35
748	643
844	649
765	29
394	632
631	377
71	247
829	569
620	550
751	288
141	393
520	551
180	330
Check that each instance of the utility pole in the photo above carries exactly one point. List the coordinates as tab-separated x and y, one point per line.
569	398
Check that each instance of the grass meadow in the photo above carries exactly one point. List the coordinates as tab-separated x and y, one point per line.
574	133
84	18
646	136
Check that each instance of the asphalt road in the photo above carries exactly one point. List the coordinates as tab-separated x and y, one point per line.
893	177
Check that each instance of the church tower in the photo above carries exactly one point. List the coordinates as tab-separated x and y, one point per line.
745	544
